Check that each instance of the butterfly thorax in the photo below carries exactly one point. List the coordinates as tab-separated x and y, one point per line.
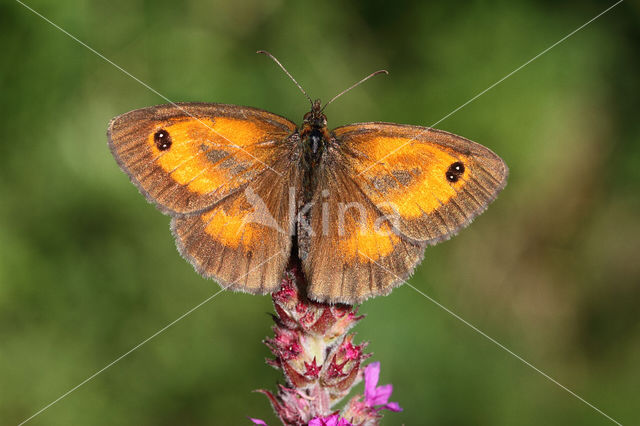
314	139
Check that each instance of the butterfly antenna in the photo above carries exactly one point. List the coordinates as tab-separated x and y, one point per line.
264	52
357	84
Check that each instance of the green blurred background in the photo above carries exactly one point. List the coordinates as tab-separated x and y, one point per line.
88	269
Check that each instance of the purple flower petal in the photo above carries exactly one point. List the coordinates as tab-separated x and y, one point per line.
323	421
382	395
371	376
258	422
392	406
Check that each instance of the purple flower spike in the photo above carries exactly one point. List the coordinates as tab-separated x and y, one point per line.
313	347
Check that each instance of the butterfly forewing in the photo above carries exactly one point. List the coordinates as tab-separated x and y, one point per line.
186	157
433	181
244	242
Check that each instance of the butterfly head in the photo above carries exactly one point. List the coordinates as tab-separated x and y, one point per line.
315	118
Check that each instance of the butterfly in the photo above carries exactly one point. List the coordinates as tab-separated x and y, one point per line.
248	191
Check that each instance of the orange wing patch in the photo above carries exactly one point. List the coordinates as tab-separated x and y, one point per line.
203	154
410	176
365	239
232	228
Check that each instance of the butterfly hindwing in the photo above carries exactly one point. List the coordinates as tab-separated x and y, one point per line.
244	242
353	251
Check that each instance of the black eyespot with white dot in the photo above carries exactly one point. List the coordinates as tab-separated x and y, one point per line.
455	171
162	140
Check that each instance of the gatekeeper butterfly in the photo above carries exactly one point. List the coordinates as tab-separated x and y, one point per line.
248	190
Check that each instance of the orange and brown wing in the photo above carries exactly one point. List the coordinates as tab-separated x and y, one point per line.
389	191
186	157
223	172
